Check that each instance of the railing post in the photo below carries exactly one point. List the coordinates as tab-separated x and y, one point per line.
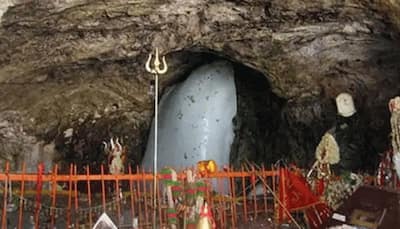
53	195
220	188
103	189
21	200
233	199
39	184
264	177
253	184
71	170
76	197
6	181
89	196
244	195
132	194
118	199
145	197
274	191
139	196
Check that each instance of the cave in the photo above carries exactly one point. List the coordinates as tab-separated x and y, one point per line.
268	128
71	80
258	116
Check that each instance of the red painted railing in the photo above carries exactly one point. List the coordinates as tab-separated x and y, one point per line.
72	200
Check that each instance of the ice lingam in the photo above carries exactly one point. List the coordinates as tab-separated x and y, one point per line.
195	119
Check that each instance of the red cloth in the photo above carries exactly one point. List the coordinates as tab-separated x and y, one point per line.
294	190
295	194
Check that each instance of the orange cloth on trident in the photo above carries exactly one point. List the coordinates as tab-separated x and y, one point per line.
295	194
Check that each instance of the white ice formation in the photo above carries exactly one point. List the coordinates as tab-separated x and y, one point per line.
195	119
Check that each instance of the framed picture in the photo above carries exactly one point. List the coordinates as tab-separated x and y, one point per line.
368	219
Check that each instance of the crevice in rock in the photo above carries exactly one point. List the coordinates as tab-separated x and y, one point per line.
258	117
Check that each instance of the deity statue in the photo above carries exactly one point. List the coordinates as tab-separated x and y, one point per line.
326	154
116	157
345	105
349	132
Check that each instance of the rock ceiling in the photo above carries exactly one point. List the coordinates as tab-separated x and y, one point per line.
81	62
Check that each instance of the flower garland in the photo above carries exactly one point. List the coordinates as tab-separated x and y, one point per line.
327	151
326	154
185	197
338	190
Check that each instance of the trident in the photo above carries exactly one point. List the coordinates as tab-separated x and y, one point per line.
156	71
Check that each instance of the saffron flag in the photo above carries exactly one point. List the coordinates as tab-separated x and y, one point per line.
295	194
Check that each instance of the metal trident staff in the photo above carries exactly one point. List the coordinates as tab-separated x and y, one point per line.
156	71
